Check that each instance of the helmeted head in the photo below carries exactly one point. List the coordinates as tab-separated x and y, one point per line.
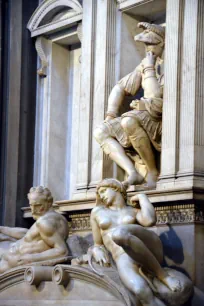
40	200
107	189
153	37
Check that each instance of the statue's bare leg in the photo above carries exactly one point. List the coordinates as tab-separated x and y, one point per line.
4	266
143	246
132	280
117	153
141	143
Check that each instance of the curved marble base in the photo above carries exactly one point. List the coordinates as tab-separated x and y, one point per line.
62	284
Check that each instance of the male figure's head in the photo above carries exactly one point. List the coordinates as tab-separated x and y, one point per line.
40	200
153	37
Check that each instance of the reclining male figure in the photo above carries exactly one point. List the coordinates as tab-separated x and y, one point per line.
45	240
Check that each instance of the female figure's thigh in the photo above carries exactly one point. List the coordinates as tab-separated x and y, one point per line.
148	237
130	277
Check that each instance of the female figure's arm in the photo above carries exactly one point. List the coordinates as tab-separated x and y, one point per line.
98	251
146	215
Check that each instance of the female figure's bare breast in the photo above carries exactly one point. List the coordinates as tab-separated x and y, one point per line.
108	219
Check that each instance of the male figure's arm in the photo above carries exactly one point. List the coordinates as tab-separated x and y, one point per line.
151	85
129	85
51	236
13	232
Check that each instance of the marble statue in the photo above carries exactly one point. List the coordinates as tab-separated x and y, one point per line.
141	128
137	251
44	241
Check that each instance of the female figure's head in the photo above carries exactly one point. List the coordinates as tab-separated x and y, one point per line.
110	191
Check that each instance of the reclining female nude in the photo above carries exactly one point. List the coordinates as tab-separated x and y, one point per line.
121	230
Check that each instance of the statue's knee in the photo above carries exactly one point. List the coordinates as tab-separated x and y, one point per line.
142	291
4	266
100	134
120	236
129	124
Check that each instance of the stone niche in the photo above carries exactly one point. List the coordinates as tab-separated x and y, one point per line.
113	53
131	53
56	26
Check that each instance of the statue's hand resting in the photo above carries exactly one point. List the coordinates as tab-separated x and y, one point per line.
149	60
24	259
100	255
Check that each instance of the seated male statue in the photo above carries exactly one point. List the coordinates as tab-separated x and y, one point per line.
45	240
140	128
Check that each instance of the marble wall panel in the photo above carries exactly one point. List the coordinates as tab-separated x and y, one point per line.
57	122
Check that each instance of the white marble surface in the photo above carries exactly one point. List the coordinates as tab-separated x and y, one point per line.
182	163
57	122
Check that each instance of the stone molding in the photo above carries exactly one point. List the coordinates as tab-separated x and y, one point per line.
12	277
61	275
45	8
124	5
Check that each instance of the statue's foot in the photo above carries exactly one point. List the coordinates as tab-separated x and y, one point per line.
152	180
172	283
134	178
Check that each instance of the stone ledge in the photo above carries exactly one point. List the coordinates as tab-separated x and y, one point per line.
172	200
127	4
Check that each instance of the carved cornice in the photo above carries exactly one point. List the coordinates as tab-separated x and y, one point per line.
179	214
128	4
176	214
79	222
137	2
45	8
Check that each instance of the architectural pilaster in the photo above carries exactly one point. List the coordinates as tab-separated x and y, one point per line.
182	165
169	155
86	97
96	85
105	79
191	138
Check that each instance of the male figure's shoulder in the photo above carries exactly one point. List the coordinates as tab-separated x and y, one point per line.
51	223
132	81
48	222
